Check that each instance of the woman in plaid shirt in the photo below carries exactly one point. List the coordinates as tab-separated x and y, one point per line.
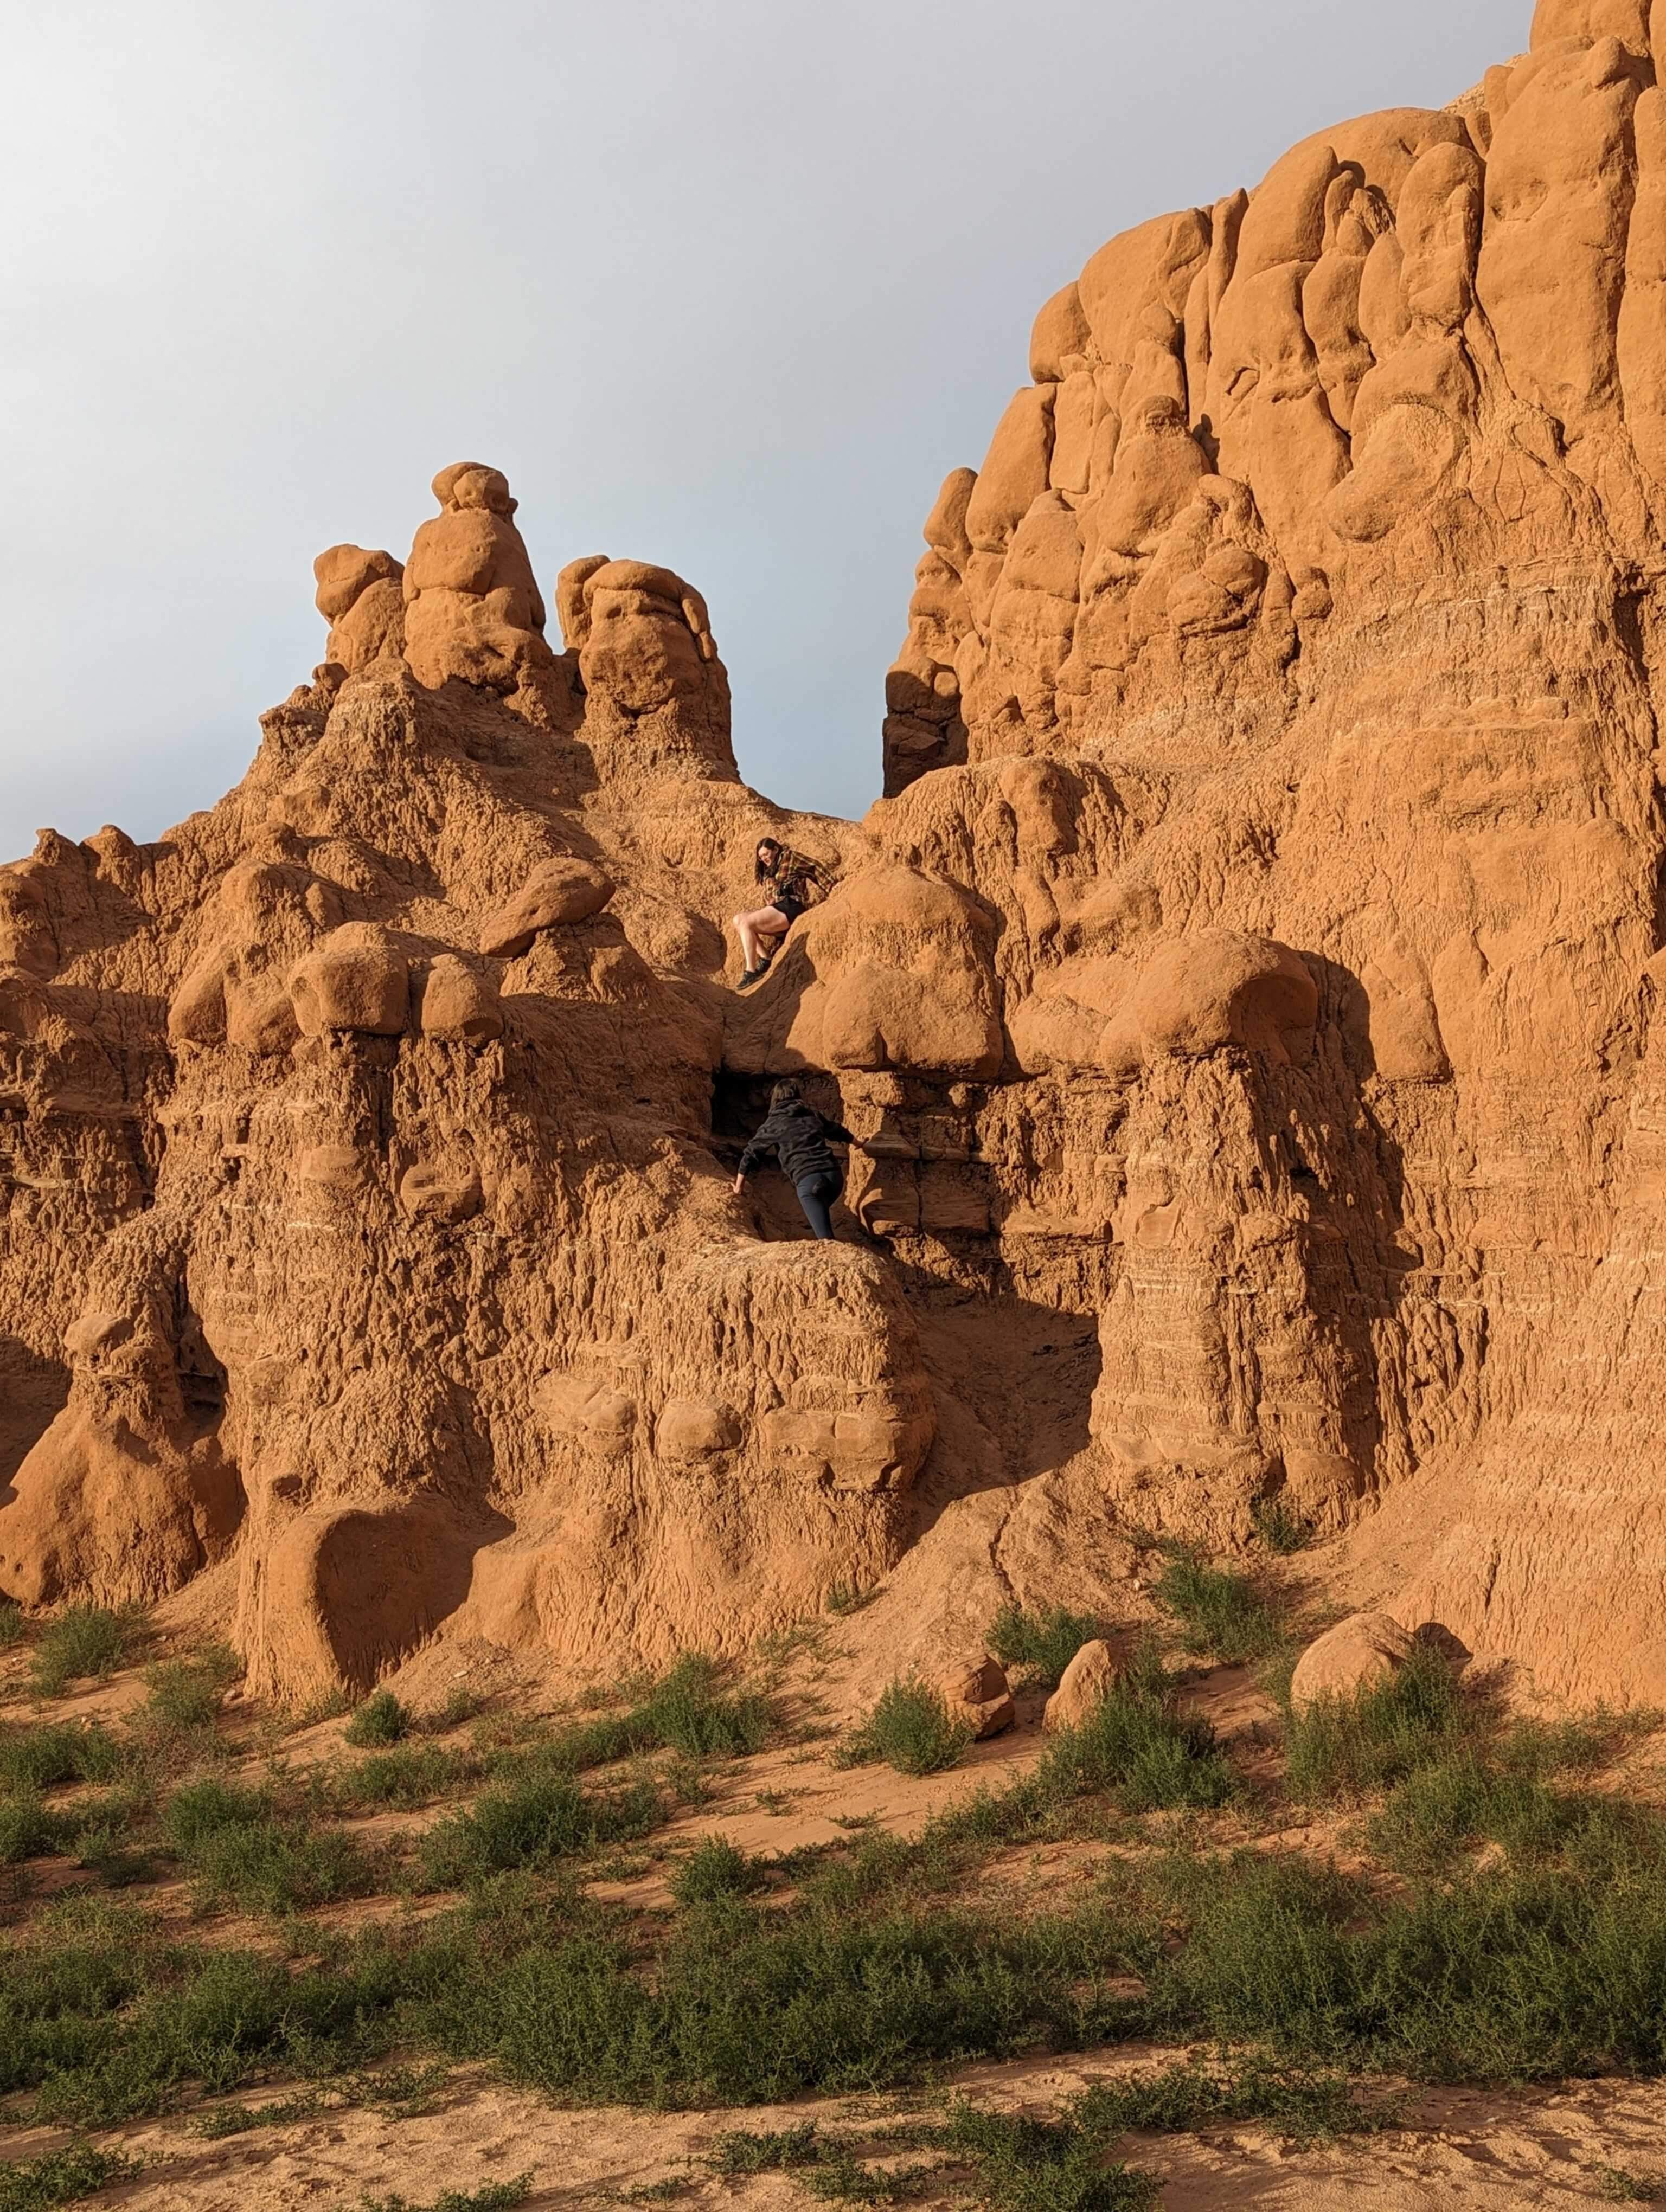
791	881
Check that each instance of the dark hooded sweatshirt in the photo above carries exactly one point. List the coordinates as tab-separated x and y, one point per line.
797	1136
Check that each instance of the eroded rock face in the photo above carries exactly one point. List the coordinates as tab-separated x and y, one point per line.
1333	621
1248	984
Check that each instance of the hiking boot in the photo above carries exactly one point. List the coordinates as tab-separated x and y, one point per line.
752	976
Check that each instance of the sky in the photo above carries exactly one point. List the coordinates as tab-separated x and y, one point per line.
728	285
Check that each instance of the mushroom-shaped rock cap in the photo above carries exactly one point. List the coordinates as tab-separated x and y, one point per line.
473	484
1198	993
343	572
1060	330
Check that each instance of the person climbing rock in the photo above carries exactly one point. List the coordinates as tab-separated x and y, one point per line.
799	1136
791	881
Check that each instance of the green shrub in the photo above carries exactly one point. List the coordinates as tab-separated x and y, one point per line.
382	1719
56	1751
875	1975
749	2005
1349	1746
546	1818
716	1867
29	1830
411	1775
491	2197
1044	2165
461	1705
1280	1528
842	2178
1042	1645
1223	1614
279	1866
739	2150
104	2017
83	1640
686	1710
187	1694
910	1729
61	2176
1138	1747
12	1626
1441	1811
204	1809
240	2119
243	1854
1614	2185
104	1828
327	1705
1304	2106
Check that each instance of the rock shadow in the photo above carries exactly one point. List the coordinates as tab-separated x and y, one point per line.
34	1392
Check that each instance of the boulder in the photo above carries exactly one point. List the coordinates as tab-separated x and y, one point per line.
354	980
458	1004
583	1410
1089	1679
976	1691
444	1190
691	1430
556	892
1361	1653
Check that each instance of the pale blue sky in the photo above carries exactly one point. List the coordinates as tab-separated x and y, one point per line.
726	284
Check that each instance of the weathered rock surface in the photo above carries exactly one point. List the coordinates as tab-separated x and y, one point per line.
1361	1653
1087	1682
1246	993
976	1693
1319	573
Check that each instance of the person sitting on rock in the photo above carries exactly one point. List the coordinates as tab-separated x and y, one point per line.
799	1136
790	879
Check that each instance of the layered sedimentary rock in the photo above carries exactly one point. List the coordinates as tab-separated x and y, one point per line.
1320	565
364	1224
1245	994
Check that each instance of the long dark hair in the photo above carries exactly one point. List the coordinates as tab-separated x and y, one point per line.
765	868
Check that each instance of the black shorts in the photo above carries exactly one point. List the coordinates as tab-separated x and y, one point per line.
792	908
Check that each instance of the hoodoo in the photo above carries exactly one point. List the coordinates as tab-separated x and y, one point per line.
1253	967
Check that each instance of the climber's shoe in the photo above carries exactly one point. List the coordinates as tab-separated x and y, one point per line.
752	976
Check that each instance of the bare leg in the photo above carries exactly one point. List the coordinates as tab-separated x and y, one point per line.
759	931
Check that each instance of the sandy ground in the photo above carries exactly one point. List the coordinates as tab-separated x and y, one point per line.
1455	2151
1449	2151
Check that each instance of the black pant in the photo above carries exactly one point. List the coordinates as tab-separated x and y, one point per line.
816	1195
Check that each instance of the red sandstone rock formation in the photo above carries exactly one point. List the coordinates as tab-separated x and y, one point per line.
1253	966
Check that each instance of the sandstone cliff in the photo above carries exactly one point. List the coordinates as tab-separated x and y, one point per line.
1247	988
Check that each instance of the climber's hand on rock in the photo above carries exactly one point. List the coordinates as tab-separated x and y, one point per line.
739	1185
